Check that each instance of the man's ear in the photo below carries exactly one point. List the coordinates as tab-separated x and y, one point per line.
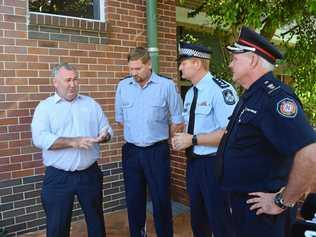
254	60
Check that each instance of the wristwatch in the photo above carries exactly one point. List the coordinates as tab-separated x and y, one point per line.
279	201
194	140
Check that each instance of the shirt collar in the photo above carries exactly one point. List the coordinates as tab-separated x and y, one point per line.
57	98
204	81
153	78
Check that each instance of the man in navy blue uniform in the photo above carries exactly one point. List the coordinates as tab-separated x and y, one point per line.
145	102
268	152
207	106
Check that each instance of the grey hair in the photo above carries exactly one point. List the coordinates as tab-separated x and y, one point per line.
66	66
265	64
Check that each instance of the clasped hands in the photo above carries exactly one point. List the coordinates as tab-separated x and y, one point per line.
181	141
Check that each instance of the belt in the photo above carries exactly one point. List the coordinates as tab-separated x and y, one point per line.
154	144
196	156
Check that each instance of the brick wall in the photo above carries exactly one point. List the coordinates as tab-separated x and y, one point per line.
30	44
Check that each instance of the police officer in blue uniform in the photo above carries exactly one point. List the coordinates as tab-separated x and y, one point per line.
208	104
268	152
144	104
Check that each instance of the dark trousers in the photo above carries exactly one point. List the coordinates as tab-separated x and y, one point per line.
209	205
248	224
147	166
59	190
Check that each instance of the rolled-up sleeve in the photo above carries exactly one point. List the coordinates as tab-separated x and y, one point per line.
175	104
103	121
118	106
42	136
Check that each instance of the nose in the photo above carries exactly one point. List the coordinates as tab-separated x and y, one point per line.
72	83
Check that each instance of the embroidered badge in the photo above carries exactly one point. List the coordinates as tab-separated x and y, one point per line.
229	97
287	108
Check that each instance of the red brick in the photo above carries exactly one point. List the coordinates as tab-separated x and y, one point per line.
5	176
7	89
27	58
19	128
15	65
26	73
38	51
32	164
23	173
20	143
9	152
20	158
15	34
8	121
3	145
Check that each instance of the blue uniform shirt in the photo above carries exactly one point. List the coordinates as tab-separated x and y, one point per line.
215	103
146	112
56	117
269	129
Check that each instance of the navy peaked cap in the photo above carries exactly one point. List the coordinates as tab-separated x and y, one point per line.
193	50
250	41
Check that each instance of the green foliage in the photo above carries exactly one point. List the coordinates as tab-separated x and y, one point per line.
77	8
298	40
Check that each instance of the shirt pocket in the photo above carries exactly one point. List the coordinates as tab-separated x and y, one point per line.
158	110
247	134
203	111
127	108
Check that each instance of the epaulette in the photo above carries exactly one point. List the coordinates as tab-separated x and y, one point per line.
165	76
221	83
127	76
271	87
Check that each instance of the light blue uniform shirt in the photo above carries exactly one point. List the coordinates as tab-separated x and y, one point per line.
55	117
146	112
215	103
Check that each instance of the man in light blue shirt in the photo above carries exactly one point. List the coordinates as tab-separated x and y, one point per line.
207	107
68	128
144	104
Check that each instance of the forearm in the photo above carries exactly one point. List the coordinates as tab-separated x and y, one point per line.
302	174
210	139
174	128
63	142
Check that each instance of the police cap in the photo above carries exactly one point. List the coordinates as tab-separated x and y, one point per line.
250	41
193	50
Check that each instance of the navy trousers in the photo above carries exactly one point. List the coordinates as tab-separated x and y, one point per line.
248	224
209	204
142	167
59	190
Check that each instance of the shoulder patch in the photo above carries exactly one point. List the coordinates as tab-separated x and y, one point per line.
221	83
287	108
229	97
271	87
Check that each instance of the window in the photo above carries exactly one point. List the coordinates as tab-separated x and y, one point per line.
90	9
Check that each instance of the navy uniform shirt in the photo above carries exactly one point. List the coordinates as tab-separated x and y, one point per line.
146	111
215	103
269	129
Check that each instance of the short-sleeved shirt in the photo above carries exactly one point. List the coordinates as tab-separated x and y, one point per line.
215	103
268	131
147	111
55	117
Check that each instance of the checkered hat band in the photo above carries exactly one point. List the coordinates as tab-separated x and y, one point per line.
193	53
